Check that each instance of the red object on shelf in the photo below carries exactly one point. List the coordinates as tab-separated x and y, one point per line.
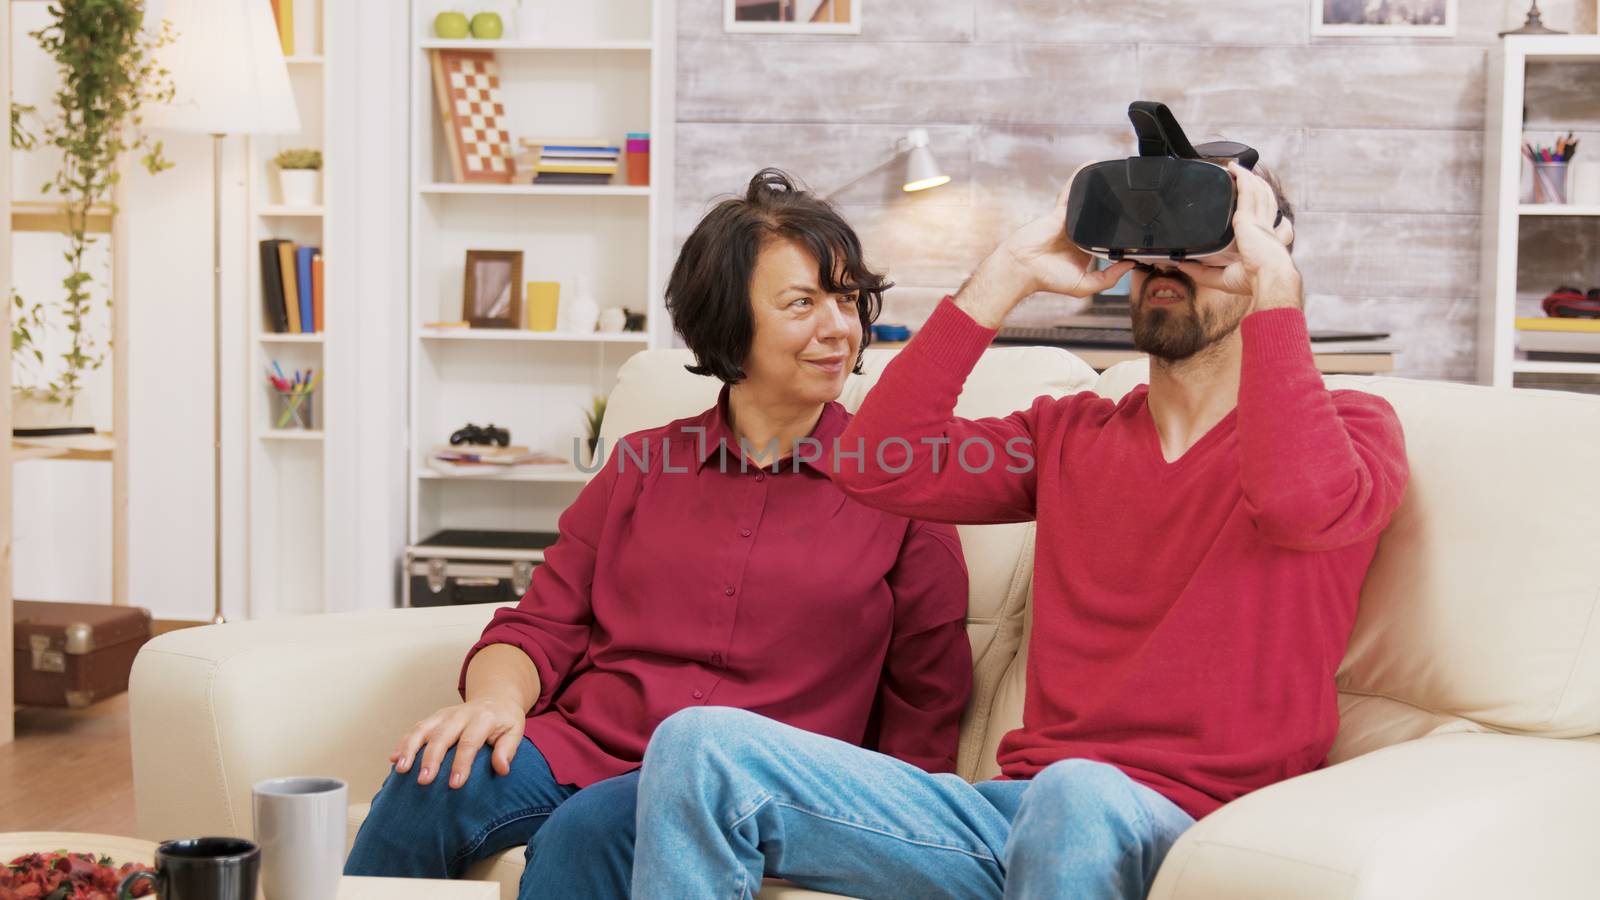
638	160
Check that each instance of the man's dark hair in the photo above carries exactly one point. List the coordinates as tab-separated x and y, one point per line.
1284	205
708	294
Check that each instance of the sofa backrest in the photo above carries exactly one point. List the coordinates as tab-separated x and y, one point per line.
653	388
1482	607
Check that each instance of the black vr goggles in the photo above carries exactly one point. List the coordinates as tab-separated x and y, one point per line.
1171	202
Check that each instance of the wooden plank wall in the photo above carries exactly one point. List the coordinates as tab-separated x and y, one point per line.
1378	141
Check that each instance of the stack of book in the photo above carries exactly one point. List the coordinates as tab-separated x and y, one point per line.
1559	339
566	161
291	287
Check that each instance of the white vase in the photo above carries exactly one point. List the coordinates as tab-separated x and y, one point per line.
580	313
300	187
530	21
29	411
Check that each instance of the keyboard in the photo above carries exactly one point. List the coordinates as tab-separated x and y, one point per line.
1066	336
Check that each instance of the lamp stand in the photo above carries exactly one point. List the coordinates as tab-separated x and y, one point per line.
216	376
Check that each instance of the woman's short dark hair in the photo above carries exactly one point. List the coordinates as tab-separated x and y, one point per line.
708	294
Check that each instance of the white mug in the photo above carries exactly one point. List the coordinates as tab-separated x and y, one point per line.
612	319
300	825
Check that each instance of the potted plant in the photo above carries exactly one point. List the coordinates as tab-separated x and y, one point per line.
299	176
107	73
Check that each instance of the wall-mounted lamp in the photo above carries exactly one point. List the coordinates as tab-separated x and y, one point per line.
922	170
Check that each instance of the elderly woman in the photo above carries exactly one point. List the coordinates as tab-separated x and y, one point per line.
710	561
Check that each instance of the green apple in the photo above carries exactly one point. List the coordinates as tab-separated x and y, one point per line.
452	26
486	26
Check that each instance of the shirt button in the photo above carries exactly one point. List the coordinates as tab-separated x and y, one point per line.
744	532
761	476
728	591
716	659
698	695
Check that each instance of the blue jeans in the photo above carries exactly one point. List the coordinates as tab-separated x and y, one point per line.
727	796
579	842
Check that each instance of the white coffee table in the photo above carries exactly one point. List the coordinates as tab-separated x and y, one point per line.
126	849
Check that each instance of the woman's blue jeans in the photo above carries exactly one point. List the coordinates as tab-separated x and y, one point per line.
727	796
579	842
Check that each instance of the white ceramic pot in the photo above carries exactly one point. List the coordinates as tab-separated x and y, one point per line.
300	187
29	411
529	21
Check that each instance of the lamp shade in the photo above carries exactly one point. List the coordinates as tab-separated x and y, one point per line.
922	170
227	70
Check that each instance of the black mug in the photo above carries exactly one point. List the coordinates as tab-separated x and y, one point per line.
207	868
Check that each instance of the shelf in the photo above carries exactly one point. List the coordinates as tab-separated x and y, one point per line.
274	338
513	334
286	212
471	44
1557	209
290	434
535	190
553	474
303	60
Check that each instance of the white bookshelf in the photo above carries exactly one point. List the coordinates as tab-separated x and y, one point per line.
1509	290
598	69
289	515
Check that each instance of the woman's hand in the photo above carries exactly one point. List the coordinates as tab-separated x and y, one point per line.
467	727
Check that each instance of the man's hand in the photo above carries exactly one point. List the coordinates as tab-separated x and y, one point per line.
1263	270
1036	257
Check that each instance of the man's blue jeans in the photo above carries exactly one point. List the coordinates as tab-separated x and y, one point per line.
579	842
727	796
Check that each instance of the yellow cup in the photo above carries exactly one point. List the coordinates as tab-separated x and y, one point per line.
542	299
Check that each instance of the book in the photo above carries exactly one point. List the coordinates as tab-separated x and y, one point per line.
571	178
1556	323
316	289
272	287
575	169
1574	343
285	10
302	268
291	288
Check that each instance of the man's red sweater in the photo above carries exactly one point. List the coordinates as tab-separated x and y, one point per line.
1188	616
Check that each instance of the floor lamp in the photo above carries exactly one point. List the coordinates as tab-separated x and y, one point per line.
227	67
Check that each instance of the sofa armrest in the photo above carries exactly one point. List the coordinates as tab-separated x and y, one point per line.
1457	816
218	708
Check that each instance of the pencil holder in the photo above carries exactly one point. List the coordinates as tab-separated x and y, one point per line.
1550	182
293	410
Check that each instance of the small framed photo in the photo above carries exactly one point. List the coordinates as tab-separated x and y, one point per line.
792	16
1383	18
492	297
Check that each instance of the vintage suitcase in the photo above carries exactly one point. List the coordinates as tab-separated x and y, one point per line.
458	566
72	654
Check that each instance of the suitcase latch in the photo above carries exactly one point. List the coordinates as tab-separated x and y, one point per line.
436	575
45	659
521	577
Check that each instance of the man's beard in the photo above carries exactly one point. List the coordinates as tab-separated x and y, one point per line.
1178	331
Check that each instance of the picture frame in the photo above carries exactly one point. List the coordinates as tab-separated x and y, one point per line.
491	295
1393	18
792	16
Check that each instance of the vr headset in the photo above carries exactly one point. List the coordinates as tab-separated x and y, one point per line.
1173	201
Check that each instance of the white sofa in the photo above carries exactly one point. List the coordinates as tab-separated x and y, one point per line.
1467	763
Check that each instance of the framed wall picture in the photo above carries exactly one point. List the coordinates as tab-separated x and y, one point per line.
492	297
1384	18
792	16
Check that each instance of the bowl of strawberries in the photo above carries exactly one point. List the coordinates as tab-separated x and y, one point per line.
60	875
